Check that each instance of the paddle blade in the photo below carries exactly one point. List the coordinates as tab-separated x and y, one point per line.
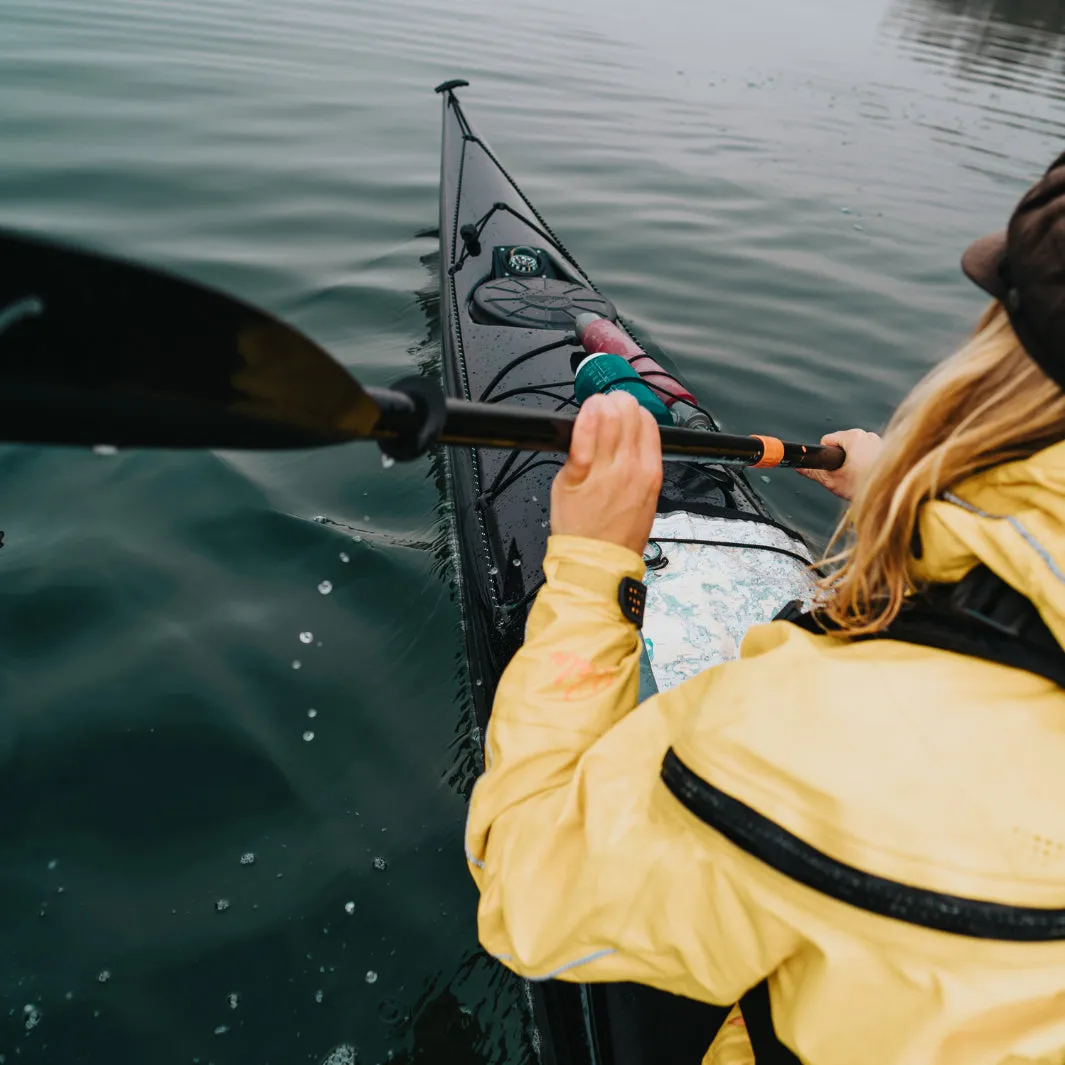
95	350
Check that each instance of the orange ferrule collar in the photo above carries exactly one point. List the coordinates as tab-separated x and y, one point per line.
772	451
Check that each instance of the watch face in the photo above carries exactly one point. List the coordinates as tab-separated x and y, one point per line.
523	261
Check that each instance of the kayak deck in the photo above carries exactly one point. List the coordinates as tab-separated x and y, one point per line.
508	337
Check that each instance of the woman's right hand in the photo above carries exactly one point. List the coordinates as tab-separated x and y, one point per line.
862	448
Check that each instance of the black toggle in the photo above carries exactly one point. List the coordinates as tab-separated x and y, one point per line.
450	86
632	598
471	238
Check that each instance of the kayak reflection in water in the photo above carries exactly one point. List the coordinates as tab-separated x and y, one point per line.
869	830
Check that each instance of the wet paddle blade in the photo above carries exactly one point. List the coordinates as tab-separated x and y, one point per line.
95	350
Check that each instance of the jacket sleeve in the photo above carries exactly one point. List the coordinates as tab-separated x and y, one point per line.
588	868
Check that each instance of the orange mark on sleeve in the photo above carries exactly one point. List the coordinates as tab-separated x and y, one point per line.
579	678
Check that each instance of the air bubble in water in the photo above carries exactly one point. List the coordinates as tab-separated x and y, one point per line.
371	976
387	462
296	663
312	712
349	908
318	996
380	863
233	1000
221	905
247	858
345	1054
344	557
105	449
325	587
306	637
103	975
308	736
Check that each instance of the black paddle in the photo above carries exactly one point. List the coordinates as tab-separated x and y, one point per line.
94	350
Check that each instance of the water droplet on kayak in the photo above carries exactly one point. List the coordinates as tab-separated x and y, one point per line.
233	1000
221	905
356	539
344	557
321	519
325	587
349	908
318	996
33	1016
493	571
221	1029
312	712
105	449
103	975
53	863
308	736
296	663
766	478
387	462
516	562
248	858
380	863
480	683
844	210
371	976
543	525
306	637
533	500
856	226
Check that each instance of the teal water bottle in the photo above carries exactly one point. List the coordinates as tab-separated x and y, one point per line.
603	372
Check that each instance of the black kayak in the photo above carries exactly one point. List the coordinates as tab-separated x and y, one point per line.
509	292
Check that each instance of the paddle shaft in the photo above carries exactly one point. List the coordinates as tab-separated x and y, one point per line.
509	426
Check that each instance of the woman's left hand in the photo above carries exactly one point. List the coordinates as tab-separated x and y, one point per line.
608	489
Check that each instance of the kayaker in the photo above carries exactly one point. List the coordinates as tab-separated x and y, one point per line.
870	830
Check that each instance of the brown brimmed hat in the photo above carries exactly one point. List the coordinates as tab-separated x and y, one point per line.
1023	266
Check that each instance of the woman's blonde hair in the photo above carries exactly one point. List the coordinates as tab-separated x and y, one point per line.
986	405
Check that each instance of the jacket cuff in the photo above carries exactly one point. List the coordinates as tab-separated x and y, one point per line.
595	566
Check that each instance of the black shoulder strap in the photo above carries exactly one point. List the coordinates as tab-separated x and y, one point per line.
980	616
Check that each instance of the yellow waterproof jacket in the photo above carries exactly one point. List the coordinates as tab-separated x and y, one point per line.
928	769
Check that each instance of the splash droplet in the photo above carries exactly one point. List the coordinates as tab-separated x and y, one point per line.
308	736
344	556
306	637
247	858
371	976
233	1000
387	462
325	587
345	1054
105	449
297	664
349	908
103	975
221	905
312	712
380	863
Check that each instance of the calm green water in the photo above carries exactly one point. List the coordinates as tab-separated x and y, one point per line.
777	192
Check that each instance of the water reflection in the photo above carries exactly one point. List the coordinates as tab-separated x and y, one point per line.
1011	44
